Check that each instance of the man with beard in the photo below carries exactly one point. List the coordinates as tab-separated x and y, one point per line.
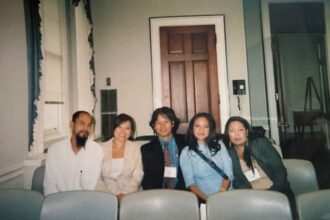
74	163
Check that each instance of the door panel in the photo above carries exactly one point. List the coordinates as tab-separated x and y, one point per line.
178	89
201	87
189	72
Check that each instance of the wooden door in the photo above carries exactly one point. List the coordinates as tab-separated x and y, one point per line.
189	72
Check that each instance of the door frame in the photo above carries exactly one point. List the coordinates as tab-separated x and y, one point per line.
218	22
273	119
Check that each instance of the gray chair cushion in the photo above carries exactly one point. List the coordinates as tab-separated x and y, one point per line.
159	204
314	205
248	204
301	176
80	205
19	204
38	179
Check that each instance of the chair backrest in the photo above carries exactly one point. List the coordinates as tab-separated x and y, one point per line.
38	179
248	204
80	205
314	205
159	204
17	204
145	138
141	140
301	176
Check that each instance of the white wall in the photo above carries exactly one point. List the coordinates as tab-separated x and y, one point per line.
122	49
13	87
84	96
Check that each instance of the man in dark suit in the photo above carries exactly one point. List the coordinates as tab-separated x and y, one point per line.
160	157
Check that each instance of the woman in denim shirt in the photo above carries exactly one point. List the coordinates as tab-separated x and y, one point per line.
200	178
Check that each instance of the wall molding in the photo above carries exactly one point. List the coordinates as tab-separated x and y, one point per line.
11	172
30	165
26	168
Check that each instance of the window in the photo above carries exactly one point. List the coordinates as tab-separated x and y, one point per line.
61	67
54	68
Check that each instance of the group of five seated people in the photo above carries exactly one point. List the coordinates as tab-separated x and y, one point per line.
199	161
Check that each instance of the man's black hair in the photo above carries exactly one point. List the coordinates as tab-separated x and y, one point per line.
167	112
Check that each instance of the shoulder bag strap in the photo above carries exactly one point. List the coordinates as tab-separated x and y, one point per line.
212	164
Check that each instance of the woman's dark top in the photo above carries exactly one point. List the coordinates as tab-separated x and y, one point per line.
269	161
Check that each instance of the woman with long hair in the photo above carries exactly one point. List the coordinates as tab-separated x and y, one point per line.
200	178
256	163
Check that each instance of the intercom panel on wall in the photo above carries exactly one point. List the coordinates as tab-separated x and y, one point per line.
239	87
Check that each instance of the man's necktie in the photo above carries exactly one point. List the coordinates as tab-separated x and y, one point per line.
168	181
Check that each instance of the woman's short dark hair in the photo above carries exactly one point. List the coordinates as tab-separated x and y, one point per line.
168	113
211	141
121	118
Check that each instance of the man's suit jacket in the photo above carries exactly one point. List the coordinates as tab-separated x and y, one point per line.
153	164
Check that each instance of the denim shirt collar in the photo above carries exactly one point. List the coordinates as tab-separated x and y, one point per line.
170	141
204	149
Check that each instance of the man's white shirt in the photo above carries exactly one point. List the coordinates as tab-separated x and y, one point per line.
66	170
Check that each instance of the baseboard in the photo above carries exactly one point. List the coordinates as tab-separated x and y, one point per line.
11	172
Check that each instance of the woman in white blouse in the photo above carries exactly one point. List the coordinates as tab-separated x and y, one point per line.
122	170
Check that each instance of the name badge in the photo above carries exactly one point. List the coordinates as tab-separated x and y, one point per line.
252	176
170	172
